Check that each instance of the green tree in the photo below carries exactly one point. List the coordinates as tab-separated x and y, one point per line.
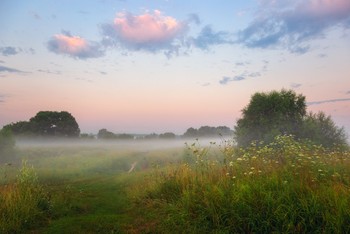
21	128
270	114
53	123
321	129
7	144
191	132
105	134
47	123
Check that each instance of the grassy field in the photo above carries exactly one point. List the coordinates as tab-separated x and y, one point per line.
284	187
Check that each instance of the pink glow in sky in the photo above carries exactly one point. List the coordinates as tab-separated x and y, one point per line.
156	66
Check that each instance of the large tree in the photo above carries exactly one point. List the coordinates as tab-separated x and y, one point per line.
47	123
284	112
55	123
270	114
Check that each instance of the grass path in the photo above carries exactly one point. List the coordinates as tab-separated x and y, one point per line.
96	205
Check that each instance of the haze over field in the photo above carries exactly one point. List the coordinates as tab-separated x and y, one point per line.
167	65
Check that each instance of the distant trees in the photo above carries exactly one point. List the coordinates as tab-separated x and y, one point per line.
207	131
277	113
167	135
105	134
47	123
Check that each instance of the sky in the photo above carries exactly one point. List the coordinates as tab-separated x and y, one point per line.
146	66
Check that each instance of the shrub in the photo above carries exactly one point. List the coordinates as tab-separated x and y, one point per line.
24	205
7	144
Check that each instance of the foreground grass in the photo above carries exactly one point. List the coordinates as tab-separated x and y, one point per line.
73	189
285	187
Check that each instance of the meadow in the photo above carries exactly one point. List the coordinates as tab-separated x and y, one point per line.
283	187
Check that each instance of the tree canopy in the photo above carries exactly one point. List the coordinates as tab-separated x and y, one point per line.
284	112
47	123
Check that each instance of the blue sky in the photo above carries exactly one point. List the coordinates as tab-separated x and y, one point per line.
156	66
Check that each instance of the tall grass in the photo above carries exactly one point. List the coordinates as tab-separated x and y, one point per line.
23	205
285	187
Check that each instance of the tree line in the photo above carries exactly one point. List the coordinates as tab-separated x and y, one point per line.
63	124
267	115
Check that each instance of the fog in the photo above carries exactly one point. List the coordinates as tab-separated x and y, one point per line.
136	145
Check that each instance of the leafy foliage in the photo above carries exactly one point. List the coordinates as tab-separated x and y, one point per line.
268	115
322	130
55	123
7	144
47	123
24	205
277	113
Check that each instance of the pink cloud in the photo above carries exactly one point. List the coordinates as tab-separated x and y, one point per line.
326	8
73	46
150	31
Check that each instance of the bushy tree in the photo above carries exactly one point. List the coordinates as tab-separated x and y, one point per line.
7	144
278	113
47	123
321	129
207	131
270	114
105	134
53	123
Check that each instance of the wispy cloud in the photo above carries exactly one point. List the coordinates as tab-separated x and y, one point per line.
74	46
49	72
243	76
9	70
328	101
291	24
8	50
295	85
225	80
208	37
151	31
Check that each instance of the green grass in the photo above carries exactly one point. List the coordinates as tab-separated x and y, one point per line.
73	189
284	187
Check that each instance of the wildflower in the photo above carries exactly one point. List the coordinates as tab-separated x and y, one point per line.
233	177
231	164
239	159
250	173
252	168
227	174
254	157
